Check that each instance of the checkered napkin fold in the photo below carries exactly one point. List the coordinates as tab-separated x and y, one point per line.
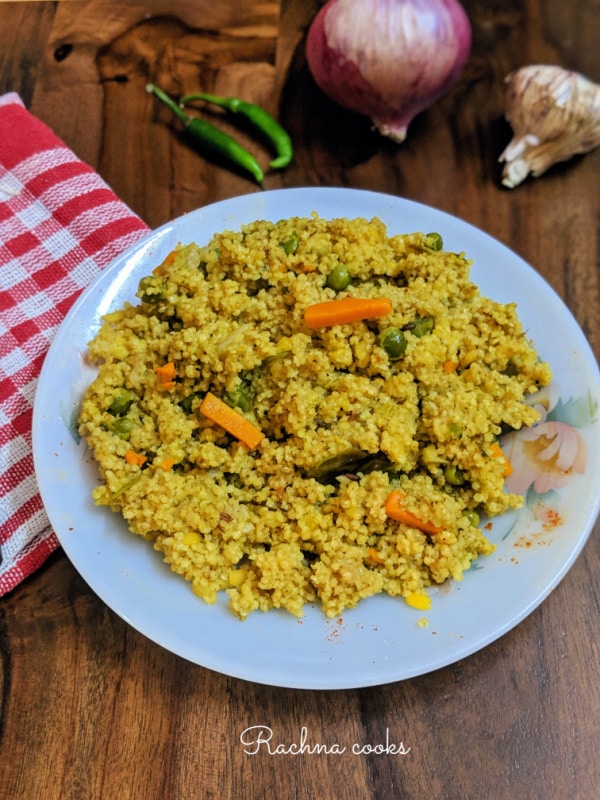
60	225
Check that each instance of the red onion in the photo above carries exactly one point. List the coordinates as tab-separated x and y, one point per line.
388	59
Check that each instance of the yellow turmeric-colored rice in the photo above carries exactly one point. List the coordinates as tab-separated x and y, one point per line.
301	517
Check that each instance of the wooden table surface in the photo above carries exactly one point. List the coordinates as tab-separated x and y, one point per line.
89	708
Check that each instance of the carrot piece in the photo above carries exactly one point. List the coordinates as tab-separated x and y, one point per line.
375	556
135	459
231	420
166	373
395	510
450	366
167	463
348	309
497	453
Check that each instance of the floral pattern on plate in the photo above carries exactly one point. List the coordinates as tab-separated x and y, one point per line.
545	457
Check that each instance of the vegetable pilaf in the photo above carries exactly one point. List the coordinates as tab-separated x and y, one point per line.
310	411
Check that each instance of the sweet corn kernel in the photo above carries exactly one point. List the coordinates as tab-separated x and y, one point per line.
285	343
236	577
191	538
419	600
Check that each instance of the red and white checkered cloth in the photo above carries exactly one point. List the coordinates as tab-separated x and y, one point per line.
60	224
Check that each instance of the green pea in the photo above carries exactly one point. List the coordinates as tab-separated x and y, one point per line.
434	242
122	427
453	475
455	429
239	398
150	290
393	342
121	403
422	326
290	244
472	516
339	278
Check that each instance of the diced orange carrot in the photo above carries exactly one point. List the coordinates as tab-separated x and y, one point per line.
395	509
450	366
375	556
497	453
231	420
348	309
166	373
167	262
167	463
135	459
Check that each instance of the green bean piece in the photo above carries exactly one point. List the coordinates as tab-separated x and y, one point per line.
188	402
435	243
239	398
340	464
120	491
339	278
453	475
393	342
266	125
266	362
210	137
151	290
122	427
472	516
422	326
511	369
290	244
121	402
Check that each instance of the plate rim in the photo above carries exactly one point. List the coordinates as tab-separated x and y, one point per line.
127	260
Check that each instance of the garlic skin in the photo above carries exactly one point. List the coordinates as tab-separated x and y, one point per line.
554	114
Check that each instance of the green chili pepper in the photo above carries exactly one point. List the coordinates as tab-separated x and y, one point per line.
212	138
260	119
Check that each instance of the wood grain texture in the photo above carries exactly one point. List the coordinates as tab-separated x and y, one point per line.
88	707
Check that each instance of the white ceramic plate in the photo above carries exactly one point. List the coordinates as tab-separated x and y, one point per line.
383	639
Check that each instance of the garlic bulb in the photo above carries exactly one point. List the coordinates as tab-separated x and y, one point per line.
554	114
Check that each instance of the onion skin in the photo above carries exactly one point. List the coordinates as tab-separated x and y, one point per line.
388	59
